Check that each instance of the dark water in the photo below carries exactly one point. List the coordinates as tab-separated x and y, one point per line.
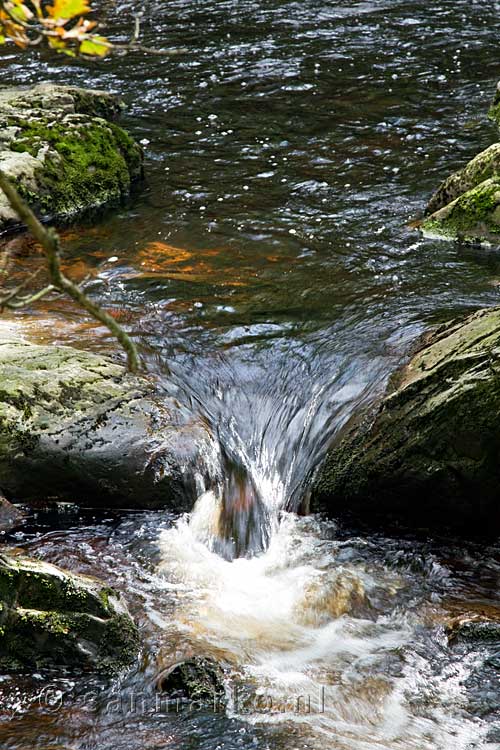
270	263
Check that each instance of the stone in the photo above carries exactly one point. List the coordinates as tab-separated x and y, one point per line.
50	618
195	679
61	147
466	206
429	454
10	515
76	426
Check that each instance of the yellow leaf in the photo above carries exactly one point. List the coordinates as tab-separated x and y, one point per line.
68	8
95	46
2	39
19	11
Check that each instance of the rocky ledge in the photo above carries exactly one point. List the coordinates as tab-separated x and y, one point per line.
63	150
51	618
76	426
466	206
429	456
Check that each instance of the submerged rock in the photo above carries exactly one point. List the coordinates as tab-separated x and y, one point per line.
51	618
430	453
10	515
196	679
76	426
62	149
466	206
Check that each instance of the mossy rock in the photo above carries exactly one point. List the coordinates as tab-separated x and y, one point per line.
466	206
76	426
474	216
62	148
494	113
429	454
51	618
196	679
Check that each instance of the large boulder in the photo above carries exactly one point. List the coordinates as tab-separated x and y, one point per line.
430	455
51	618
466	206
63	150
76	426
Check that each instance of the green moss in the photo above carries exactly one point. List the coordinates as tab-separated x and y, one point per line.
89	163
494	113
471	216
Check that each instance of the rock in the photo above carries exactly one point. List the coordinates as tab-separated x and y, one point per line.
494	113
51	618
75	426
10	516
63	151
475	629
484	166
466	206
197	679
430	453
473	217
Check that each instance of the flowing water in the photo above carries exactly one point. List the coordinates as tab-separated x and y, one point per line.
270	275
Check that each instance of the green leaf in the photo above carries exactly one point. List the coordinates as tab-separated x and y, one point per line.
95	46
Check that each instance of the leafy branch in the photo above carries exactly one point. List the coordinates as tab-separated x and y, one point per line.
49	240
62	26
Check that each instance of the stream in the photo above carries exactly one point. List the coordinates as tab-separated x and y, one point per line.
270	275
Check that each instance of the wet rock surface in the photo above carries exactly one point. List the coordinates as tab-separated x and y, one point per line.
63	150
52	618
429	455
76	426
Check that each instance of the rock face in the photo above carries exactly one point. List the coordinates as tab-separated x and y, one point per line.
431	453
51	618
467	205
62	149
76	426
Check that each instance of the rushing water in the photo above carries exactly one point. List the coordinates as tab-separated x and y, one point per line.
270	265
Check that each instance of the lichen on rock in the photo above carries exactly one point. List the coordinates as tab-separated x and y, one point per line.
52	618
61	147
77	426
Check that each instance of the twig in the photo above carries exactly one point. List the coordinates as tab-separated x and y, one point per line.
49	240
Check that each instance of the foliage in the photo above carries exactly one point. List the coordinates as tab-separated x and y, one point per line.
61	25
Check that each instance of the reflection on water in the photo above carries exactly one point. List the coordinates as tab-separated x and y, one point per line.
270	265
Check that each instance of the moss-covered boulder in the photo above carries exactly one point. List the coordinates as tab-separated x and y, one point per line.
62	148
51	618
474	216
430	455
76	426
466	206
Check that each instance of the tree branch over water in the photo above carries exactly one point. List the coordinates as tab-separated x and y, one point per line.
49	240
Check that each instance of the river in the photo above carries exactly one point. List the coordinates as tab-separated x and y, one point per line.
272	279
